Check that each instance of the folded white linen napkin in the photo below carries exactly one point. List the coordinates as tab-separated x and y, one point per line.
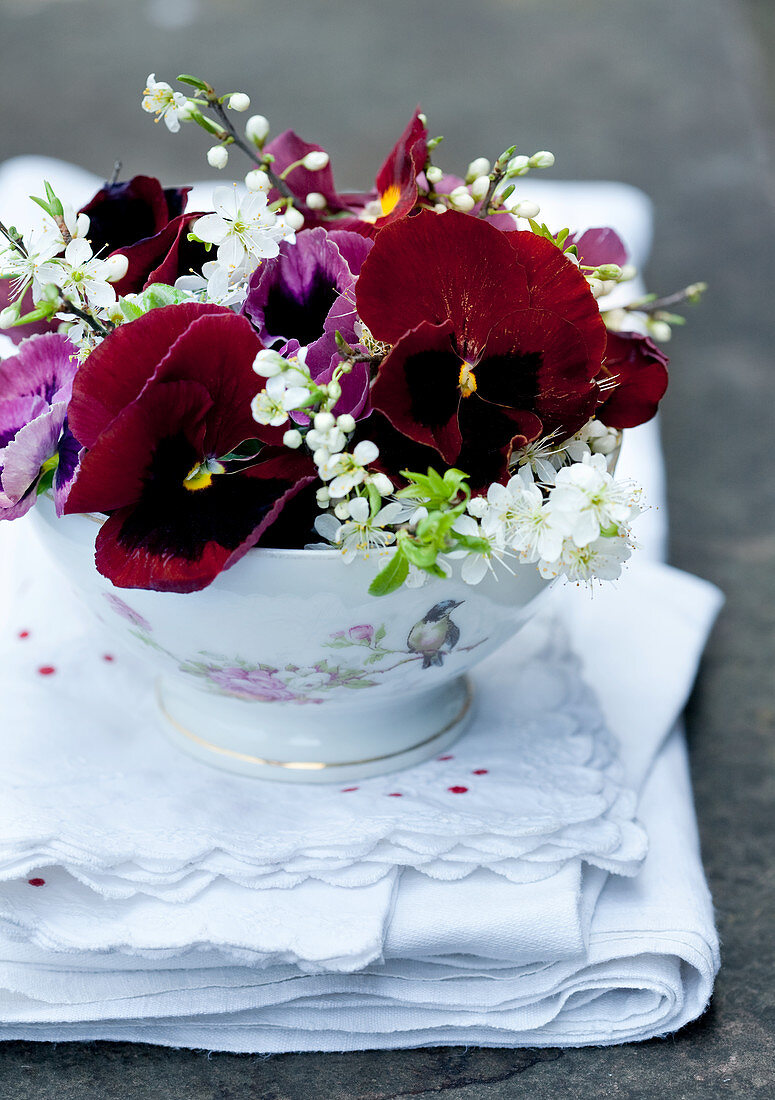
413	960
536	782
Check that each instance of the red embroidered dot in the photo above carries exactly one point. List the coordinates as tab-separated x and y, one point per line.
108	657
24	633
395	794
457	790
36	881
480	771
46	670
450	757
346	789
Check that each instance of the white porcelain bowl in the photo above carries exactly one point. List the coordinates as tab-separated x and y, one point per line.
286	668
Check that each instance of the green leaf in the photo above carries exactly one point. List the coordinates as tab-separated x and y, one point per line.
392	576
379	634
194	81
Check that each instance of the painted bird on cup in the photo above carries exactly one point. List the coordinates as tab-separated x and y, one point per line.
435	635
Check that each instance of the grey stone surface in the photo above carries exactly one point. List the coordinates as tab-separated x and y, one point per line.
672	95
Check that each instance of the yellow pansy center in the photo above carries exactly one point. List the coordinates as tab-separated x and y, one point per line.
201	475
466	380
389	198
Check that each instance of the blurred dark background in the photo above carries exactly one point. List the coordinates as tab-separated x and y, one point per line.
674	96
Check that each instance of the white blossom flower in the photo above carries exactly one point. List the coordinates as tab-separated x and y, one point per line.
599	560
587	501
272	405
81	275
162	101
475	564
520	509
218	284
41	245
241	227
363	532
346	471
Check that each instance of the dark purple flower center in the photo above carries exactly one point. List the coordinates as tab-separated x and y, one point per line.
171	519
302	318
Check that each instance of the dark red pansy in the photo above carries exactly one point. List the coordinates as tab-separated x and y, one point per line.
122	213
496	338
163	257
118	368
394	195
639	370
156	435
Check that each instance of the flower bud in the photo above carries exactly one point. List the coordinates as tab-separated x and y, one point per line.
334	390
477	507
382	484
292	438
440	208
9	316
345	423
480	187
324	421
659	330
315	161
609	271
629	271
524	208
316	201
518	166
342	510
257	130
239	101
293	217
115	268
461	199
433	174
268	363
322	496
256	180
217	156
478	167
542	159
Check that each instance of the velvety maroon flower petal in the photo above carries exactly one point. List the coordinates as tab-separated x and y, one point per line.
556	284
640	370
116	371
417	387
536	360
491	433
217	350
122	213
397	178
163	257
438	267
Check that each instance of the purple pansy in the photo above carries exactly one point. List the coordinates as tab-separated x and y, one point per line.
35	388
304	296
599	246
